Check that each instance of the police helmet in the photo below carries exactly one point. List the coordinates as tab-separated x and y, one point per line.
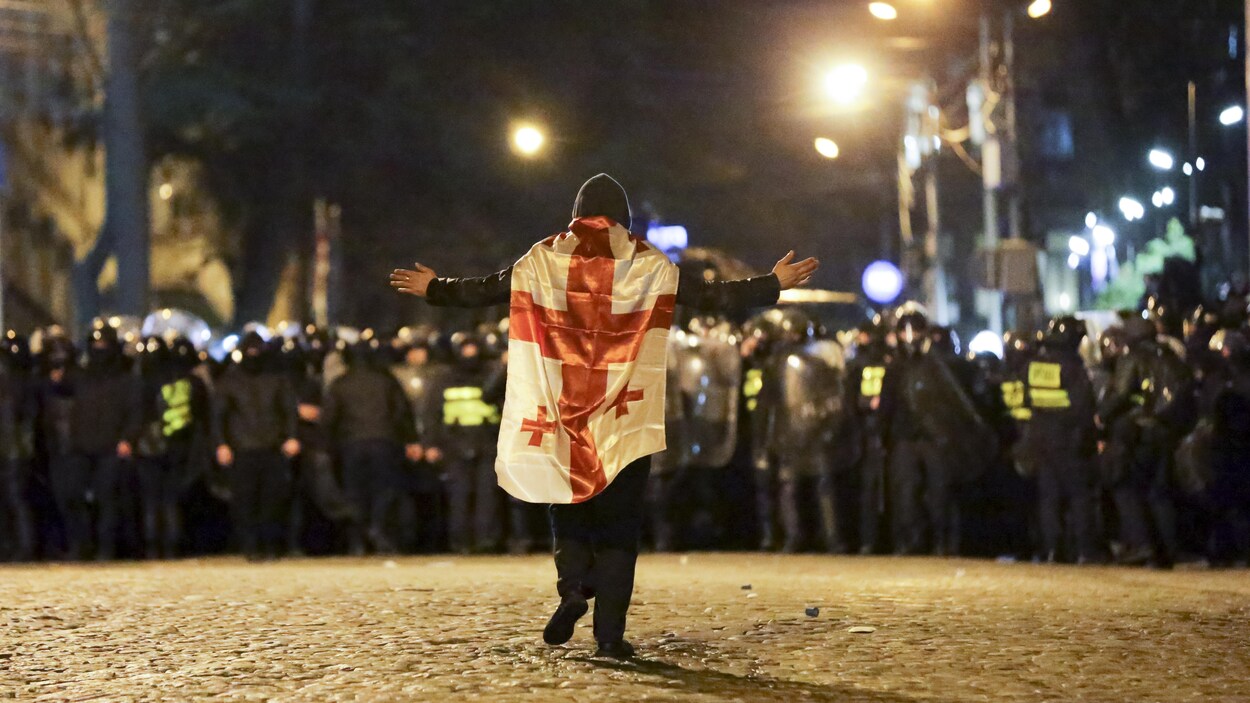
1065	333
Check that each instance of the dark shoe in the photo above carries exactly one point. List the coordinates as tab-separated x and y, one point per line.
619	649
560	627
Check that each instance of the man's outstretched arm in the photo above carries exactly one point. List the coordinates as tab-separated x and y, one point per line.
496	289
757	292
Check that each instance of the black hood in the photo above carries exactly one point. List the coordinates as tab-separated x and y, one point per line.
603	196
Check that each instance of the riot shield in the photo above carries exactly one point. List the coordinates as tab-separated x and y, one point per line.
949	418
809	409
705	376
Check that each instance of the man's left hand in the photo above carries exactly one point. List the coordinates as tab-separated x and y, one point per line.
413	282
792	274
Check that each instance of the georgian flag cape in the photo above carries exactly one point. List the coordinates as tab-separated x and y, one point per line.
588	339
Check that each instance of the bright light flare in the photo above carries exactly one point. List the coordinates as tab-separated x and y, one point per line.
986	342
1039	8
883	11
1232	115
827	148
882	282
1132	209
1161	160
1079	246
1090	219
528	140
166	191
846	83
1103	236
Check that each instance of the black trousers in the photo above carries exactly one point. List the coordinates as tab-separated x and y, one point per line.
161	482
260	488
75	477
371	480
596	548
921	499
871	487
474	503
1145	501
1065	492
17	525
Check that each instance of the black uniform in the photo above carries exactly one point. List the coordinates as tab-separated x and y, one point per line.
1061	445
17	526
172	449
1146	409
467	438
370	420
254	413
88	415
596	542
865	382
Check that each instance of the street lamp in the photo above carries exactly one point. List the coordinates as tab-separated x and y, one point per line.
1132	209
827	148
846	82
883	10
528	140
1039	8
1103	236
1161	160
1232	115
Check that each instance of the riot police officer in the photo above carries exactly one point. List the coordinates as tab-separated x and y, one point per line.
254	425
1228	497
422	380
174	441
865	381
107	417
467	437
17	527
937	439
1061	441
368	418
1145	410
805	396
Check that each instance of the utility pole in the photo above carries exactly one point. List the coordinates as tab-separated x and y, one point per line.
126	177
1192	158
990	299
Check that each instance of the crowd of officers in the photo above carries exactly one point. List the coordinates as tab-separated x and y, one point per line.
1133	446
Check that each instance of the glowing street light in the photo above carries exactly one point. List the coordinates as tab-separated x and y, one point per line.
1132	209
1232	115
827	148
1103	236
1079	245
1163	198
883	10
1161	160
846	82
1039	8
528	140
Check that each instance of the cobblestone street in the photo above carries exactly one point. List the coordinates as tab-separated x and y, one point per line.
468	628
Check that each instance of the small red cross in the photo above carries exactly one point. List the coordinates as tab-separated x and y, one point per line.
622	401
538	427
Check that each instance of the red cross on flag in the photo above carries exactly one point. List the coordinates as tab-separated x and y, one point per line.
588	339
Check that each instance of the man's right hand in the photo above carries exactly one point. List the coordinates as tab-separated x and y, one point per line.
225	456
413	282
792	274
433	455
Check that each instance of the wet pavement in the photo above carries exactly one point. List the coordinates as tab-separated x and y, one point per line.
470	628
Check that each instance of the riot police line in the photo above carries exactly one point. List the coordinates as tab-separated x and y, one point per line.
1133	447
